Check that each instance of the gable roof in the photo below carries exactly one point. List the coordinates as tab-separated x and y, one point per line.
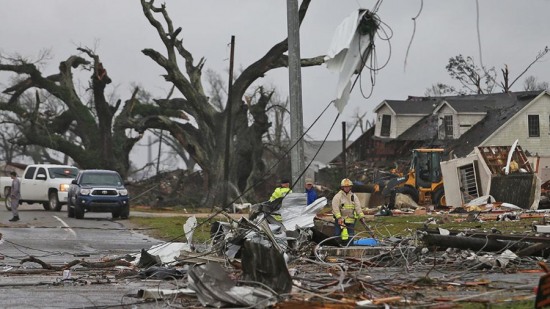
495	118
409	107
518	113
499	107
468	106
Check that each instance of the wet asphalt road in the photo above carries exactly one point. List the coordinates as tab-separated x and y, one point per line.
56	239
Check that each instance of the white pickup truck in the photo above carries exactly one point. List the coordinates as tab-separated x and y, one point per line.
46	184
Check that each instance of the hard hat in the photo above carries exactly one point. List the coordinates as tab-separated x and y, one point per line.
346	183
309	181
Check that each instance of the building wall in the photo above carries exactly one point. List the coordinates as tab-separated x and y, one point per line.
466	122
517	128
384	110
447	111
461	122
399	123
403	123
451	178
451	181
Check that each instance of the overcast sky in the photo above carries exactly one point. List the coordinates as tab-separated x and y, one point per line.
512	32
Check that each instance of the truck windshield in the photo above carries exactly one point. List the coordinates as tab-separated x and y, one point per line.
63	172
101	179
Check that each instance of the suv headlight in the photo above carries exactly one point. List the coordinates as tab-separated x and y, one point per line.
84	191
123	192
64	187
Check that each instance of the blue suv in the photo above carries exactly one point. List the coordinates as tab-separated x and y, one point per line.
98	191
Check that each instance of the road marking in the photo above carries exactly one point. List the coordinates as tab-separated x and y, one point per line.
66	225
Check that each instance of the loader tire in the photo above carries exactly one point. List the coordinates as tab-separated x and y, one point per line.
438	198
410	191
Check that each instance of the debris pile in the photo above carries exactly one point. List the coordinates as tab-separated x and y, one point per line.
260	262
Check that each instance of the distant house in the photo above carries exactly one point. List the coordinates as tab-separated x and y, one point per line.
393	118
458	124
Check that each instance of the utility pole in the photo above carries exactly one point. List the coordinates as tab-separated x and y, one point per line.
344	159
228	131
160	152
295	89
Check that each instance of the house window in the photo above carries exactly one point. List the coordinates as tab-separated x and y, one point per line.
386	125
534	127
468	182
448	120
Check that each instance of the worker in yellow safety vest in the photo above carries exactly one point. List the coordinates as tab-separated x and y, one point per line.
279	193
346	209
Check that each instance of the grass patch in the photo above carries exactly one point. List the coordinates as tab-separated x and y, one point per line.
171	228
406	225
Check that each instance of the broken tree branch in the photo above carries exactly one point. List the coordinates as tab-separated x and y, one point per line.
106	264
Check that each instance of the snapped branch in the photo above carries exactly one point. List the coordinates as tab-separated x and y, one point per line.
539	56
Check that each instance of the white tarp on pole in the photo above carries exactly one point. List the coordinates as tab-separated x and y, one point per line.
345	55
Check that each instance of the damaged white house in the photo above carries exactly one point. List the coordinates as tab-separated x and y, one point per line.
487	172
458	124
463	124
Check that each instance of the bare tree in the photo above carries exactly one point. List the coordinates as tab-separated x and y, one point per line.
10	151
358	121
474	79
538	57
479	80
531	83
80	126
205	140
103	132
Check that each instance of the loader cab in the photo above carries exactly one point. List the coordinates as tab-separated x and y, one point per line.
425	165
425	178
423	181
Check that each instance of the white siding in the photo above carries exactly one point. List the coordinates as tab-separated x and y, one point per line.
445	110
517	127
466	122
384	110
461	122
451	181
402	123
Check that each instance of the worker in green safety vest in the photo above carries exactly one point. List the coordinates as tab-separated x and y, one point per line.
279	193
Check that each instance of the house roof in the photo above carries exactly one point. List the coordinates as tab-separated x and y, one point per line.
423	130
495	118
409	107
468	105
499	108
